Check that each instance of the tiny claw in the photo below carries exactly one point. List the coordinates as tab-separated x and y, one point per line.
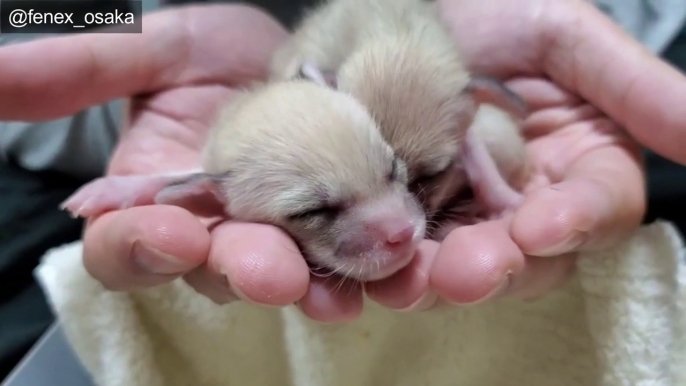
130	203
65	208
64	204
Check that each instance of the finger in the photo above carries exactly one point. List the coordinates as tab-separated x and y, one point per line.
144	246
540	275
542	94
494	36
332	300
578	47
481	262
475	263
220	44
591	54
601	197
544	122
211	284
256	262
408	290
550	106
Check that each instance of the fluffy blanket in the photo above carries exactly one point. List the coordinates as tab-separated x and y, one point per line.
620	322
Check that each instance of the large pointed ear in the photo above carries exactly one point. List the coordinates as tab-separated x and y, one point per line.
485	89
201	193
312	72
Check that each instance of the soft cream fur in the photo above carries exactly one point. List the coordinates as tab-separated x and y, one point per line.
400	61
620	322
300	156
396	58
282	143
295	146
328	34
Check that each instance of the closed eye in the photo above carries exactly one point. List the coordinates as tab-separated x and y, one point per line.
327	211
393	174
427	177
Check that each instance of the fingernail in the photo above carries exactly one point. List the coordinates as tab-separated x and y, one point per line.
573	241
240	295
495	293
153	261
229	292
236	290
427	300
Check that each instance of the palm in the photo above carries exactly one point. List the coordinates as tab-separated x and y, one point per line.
560	136
167	131
587	188
564	132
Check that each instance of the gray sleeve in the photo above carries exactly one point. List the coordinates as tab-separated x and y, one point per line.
79	145
655	23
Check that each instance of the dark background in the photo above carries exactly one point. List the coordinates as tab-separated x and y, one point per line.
30	222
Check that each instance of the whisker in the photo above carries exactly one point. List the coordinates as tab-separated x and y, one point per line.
323	275
343	279
352	286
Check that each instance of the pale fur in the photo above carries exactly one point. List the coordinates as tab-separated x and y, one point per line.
395	58
330	32
279	153
290	146
280	148
399	60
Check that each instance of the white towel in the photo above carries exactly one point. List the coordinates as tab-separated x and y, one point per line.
620	322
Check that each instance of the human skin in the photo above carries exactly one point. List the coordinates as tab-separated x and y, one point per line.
586	82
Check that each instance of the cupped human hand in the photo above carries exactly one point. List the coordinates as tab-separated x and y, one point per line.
187	61
179	72
595	96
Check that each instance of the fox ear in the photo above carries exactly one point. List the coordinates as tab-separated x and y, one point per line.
485	89
312	72
201	193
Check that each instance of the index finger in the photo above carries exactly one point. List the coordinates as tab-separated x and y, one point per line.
178	46
595	57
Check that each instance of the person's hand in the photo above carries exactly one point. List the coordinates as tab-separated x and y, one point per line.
186	62
179	69
586	81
